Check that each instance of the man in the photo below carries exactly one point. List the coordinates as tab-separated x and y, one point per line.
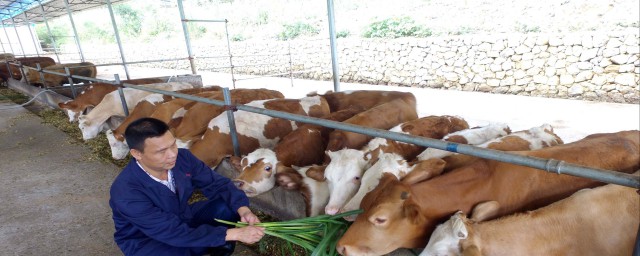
149	200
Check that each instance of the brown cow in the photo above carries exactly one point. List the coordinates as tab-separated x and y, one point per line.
198	116
403	214
85	69
25	61
361	99
254	130
93	94
301	147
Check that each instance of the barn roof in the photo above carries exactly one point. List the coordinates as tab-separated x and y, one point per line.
34	13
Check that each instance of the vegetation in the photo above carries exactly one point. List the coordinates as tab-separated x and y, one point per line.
59	33
291	31
396	27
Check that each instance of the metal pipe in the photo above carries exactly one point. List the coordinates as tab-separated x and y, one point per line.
73	88
226	30
196	20
138	62
290	63
232	121
15	28
7	35
259	64
121	93
279	74
2	44
117	34
33	39
187	38
53	39
41	76
75	32
549	165
334	48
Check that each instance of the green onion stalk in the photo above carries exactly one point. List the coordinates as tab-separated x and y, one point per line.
318	235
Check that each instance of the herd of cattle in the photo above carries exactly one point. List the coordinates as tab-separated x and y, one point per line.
85	69
405	190
412	197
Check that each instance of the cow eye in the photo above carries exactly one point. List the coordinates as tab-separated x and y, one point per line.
268	168
380	221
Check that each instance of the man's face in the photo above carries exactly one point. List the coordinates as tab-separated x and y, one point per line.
160	153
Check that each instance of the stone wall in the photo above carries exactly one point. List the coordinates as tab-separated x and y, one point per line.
592	66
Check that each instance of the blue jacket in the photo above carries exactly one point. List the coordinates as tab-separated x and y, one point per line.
145	209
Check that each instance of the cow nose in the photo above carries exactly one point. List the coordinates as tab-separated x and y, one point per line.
331	210
341	249
238	183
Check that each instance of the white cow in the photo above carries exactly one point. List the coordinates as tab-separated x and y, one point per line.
472	136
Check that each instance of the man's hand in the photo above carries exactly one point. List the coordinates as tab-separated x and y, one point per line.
247	235
247	216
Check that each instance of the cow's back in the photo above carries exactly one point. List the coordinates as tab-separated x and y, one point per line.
364	99
384	116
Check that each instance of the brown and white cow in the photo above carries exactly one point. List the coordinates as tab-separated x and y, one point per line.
347	166
598	221
472	136
254	130
303	146
25	61
85	69
111	105
147	107
532	139
93	94
403	214
315	193
196	119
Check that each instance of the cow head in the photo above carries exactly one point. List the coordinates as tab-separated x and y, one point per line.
119	148
89	129
391	219
343	174
70	108
258	171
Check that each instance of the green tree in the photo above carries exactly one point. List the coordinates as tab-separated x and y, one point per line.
58	32
131	20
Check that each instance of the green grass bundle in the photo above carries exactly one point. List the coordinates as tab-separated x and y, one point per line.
318	235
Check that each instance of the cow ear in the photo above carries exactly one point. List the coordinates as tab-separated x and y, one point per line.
411	211
472	250
235	162
484	211
316	172
458	226
424	170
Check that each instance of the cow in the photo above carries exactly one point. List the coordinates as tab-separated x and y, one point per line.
346	167
315	193
254	130
111	105
200	114
303	146
473	136
93	94
85	69
148	106
383	116
403	214
25	61
534	138
597	221
361	98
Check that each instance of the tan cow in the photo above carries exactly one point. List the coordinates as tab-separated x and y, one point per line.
93	94
403	214
303	146
25	61
472	136
361	98
315	193
85	69
598	221
254	130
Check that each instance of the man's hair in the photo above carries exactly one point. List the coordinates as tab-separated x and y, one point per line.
140	130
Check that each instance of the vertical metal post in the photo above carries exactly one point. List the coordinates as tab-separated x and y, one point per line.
15	28
9	69
232	121
115	30
290	64
33	39
226	29
53	39
75	32
2	44
9	40
187	38
334	49
71	83
44	85
121	92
